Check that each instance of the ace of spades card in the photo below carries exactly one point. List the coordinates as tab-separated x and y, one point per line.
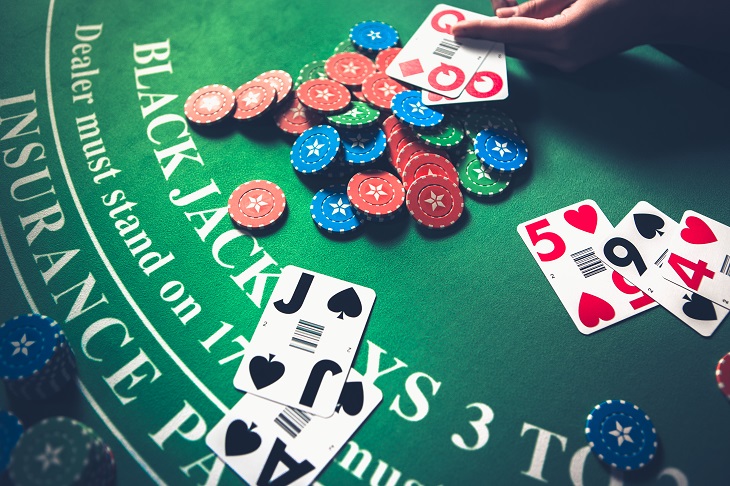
636	247
306	340
562	243
270	443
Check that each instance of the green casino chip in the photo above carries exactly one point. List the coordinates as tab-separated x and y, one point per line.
477	180
477	121
312	70
359	115
345	46
446	135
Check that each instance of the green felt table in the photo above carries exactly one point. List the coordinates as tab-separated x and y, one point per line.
485	378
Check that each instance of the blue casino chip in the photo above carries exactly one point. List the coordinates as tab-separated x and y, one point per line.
621	435
373	36
408	108
10	431
362	146
331	210
27	344
500	150
315	149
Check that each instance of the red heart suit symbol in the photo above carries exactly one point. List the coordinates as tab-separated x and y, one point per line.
584	218
697	232
592	310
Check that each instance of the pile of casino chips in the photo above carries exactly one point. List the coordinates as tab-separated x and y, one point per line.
61	451
11	428
36	361
371	135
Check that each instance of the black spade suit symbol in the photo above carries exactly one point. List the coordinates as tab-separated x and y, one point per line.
346	303
264	371
648	225
698	307
351	399
240	439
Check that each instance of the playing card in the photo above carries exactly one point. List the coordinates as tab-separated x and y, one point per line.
269	443
306	340
634	249
489	83
562	244
698	258
434	60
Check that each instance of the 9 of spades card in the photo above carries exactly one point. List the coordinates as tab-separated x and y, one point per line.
306	340
637	247
562	243
269	443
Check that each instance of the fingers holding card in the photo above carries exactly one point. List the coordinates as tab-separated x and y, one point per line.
562	243
271	443
306	341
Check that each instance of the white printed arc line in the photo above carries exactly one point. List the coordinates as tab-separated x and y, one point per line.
94	404
95	241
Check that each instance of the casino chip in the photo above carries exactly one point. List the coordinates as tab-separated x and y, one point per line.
209	104
722	375
376	194
349	68
409	109
331	210
476	180
373	36
447	135
324	95
379	90
410	147
434	202
256	204
500	150
312	70
359	115
281	81
294	118
315	149
10	431
385	58
35	359
362	145
61	451
476	121
428	164
621	435
253	99
344	46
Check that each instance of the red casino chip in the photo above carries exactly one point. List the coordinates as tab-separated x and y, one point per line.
385	58
379	89
358	94
324	95
722	374
209	104
256	204
295	118
412	146
280	80
349	68
253	99
434	202
428	164
376	192
390	123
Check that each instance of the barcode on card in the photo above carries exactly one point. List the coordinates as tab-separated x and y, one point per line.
292	420
660	261
446	49
588	263
726	266
306	336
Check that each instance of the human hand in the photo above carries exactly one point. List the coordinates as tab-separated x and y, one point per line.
569	34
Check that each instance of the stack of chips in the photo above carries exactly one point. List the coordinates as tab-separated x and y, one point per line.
10	431
36	361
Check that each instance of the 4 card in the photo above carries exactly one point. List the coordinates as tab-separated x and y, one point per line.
434	60
636	247
306	341
594	295
698	258
269	443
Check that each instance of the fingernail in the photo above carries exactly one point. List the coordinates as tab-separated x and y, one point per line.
505	12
